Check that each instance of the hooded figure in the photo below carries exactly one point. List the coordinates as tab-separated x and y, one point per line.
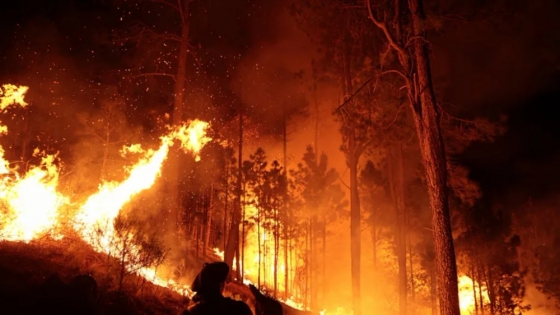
208	286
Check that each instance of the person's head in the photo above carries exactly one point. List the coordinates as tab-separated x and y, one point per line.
211	279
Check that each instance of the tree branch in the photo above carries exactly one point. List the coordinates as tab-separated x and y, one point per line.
180	9
168	4
399	73
148	74
343	183
356	92
382	26
147	33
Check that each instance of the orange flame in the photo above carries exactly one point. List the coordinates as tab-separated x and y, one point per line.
12	94
467	297
33	202
101	209
30	202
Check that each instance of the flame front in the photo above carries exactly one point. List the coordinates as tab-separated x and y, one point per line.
95	219
30	202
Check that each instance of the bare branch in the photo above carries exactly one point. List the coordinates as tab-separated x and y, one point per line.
181	10
382	26
168	3
351	97
396	116
149	74
399	73
146	31
343	183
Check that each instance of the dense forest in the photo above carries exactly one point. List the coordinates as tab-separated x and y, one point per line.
371	156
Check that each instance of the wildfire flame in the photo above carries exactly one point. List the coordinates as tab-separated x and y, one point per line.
467	298
101	209
30	202
12	94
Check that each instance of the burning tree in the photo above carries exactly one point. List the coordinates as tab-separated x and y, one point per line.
133	245
322	203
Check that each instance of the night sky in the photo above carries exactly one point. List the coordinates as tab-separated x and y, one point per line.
505	75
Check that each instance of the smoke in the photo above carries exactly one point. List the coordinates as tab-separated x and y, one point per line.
488	61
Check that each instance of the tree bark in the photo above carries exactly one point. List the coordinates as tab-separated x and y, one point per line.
208	225
285	205
433	155
178	103
233	238
396	182
355	226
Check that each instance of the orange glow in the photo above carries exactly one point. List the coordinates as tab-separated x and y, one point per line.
30	204
31	201
12	94
94	221
466	295
250	265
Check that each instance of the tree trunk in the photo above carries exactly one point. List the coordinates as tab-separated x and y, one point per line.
226	202
473	277
178	103
433	287
208	211
396	182
432	150
352	157
243	237
412	302
105	154
480	297
285	206
276	249
259	242
233	238
355	226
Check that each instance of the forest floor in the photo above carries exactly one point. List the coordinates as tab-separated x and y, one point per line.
36	278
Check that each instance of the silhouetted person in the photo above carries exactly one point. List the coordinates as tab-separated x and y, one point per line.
209	285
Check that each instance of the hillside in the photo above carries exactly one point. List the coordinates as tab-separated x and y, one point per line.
40	278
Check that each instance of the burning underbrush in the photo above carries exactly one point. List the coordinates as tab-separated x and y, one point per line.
49	237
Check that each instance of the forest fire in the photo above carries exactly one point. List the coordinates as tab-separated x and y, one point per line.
32	202
365	157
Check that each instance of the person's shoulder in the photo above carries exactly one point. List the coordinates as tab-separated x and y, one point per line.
185	312
239	306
